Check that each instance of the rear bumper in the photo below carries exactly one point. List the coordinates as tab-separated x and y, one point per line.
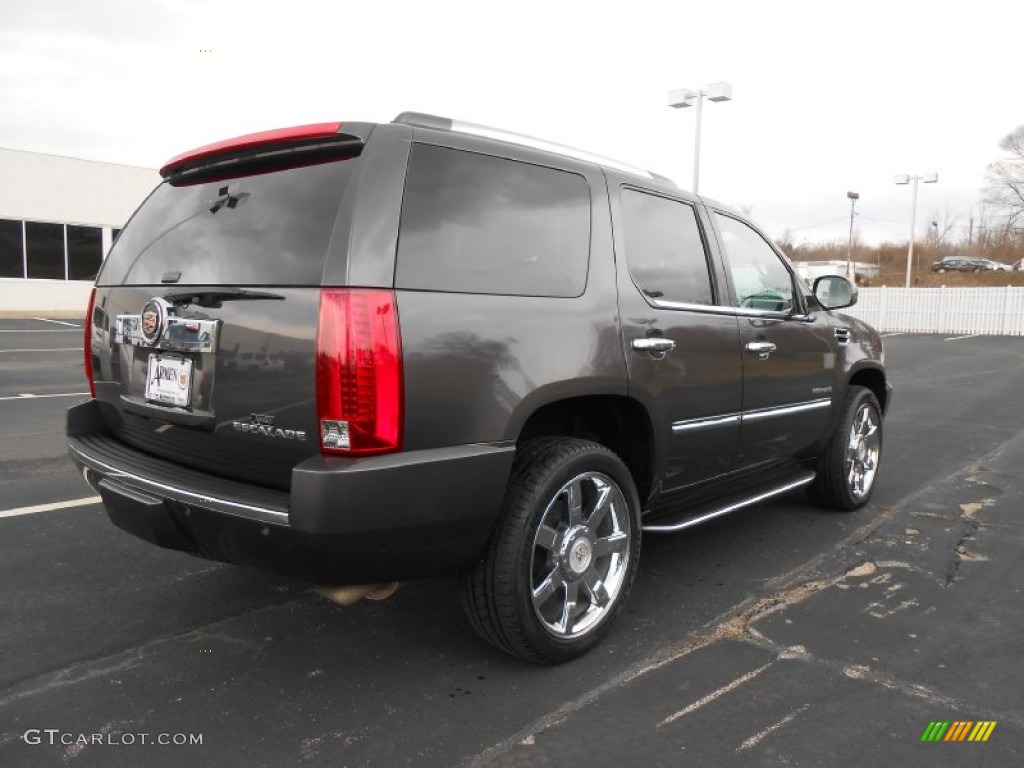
397	516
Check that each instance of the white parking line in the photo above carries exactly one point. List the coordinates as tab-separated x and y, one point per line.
957	338
898	333
715	694
55	349
76	329
50	507
28	396
58	322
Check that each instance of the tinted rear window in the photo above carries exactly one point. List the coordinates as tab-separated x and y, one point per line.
267	229
479	224
664	248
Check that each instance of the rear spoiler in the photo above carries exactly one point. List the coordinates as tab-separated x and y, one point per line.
297	140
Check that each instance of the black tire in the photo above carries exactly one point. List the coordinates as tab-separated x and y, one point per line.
847	473
518	597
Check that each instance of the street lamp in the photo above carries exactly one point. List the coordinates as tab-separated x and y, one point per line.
854	197
927	178
683	97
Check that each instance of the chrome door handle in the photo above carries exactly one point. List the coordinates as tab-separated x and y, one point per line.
654	344
761	348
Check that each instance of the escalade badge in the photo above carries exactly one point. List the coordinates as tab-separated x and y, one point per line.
263	425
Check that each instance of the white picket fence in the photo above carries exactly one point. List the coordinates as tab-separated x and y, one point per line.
943	310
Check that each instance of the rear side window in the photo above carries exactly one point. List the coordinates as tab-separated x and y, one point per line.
266	229
664	249
478	224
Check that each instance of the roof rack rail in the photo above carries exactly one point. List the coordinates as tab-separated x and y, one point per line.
421	120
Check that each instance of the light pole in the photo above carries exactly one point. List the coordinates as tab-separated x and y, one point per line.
683	97
927	178
854	197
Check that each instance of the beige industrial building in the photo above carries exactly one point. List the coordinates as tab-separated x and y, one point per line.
58	218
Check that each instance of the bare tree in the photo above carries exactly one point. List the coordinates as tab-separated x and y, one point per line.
1004	188
942	224
786	243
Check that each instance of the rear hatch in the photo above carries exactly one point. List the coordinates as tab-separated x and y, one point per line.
206	310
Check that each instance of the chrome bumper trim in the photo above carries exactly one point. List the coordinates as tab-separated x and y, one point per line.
267	515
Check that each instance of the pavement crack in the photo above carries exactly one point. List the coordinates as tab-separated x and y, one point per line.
67	677
861	672
127	659
960	551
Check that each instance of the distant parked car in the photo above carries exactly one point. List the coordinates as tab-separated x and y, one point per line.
994	266
1018	265
957	264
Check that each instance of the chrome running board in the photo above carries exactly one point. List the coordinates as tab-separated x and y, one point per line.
799	482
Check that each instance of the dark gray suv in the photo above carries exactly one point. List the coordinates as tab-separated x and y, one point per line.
358	353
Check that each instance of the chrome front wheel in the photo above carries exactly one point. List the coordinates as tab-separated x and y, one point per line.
848	469
863	451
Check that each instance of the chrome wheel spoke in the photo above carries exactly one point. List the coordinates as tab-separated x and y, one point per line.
617	542
543	591
572	591
600	509
548	538
575	503
865	422
598	594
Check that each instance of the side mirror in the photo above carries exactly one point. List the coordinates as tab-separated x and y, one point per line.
835	292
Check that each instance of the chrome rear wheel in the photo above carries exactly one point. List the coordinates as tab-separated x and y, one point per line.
559	565
581	554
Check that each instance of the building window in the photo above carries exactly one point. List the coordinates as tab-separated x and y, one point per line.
12	262
85	252
44	244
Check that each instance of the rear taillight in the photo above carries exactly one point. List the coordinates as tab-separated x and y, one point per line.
359	372
88	343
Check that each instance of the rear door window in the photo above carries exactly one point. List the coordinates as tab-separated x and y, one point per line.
473	223
664	249
266	229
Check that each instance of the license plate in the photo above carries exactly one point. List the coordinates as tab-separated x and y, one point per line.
169	380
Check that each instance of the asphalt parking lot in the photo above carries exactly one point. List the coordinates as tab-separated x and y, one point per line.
779	636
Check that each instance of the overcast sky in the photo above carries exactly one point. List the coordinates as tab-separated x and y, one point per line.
828	96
